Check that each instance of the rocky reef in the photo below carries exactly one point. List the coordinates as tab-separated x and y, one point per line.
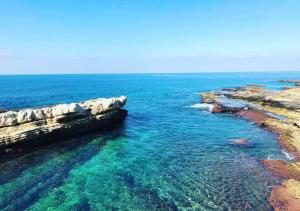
41	125
296	82
278	111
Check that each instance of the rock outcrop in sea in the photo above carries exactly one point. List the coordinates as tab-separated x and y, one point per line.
41	125
278	111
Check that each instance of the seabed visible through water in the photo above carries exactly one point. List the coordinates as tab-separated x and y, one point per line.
165	156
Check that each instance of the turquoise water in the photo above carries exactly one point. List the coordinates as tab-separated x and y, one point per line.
165	156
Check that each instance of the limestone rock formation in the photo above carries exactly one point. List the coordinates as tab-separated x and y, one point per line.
278	111
48	123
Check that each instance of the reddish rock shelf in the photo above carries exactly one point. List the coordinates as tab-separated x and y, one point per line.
278	111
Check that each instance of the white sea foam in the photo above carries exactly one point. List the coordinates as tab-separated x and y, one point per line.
287	155
290	157
203	106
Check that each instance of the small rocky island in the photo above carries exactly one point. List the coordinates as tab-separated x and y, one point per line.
47	124
278	111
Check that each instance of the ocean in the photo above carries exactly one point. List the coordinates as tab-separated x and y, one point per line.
166	155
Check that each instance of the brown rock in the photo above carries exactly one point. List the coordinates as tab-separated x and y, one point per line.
286	197
255	116
283	169
216	109
286	88
289	141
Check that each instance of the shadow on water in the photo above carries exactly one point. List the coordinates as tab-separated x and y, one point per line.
47	167
29	148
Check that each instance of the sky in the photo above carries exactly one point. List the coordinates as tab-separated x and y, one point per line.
145	36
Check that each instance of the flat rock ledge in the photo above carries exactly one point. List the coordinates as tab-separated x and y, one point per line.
41	125
278	111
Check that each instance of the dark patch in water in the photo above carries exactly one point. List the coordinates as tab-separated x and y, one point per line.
77	153
83	205
59	196
248	145
129	180
37	156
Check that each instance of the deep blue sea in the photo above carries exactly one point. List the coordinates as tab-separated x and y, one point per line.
165	156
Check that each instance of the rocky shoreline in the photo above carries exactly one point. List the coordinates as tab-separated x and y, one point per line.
278	111
37	126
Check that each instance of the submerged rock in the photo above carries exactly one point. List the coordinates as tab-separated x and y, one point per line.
242	142
254	116
296	82
39	125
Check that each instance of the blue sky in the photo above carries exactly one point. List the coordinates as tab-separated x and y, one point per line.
136	36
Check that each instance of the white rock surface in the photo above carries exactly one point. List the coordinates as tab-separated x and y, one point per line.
26	124
96	106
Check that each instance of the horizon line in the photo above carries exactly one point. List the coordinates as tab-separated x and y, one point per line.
158	73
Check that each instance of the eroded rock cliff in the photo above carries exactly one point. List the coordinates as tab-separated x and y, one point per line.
39	125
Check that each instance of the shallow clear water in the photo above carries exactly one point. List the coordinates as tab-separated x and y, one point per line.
165	156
